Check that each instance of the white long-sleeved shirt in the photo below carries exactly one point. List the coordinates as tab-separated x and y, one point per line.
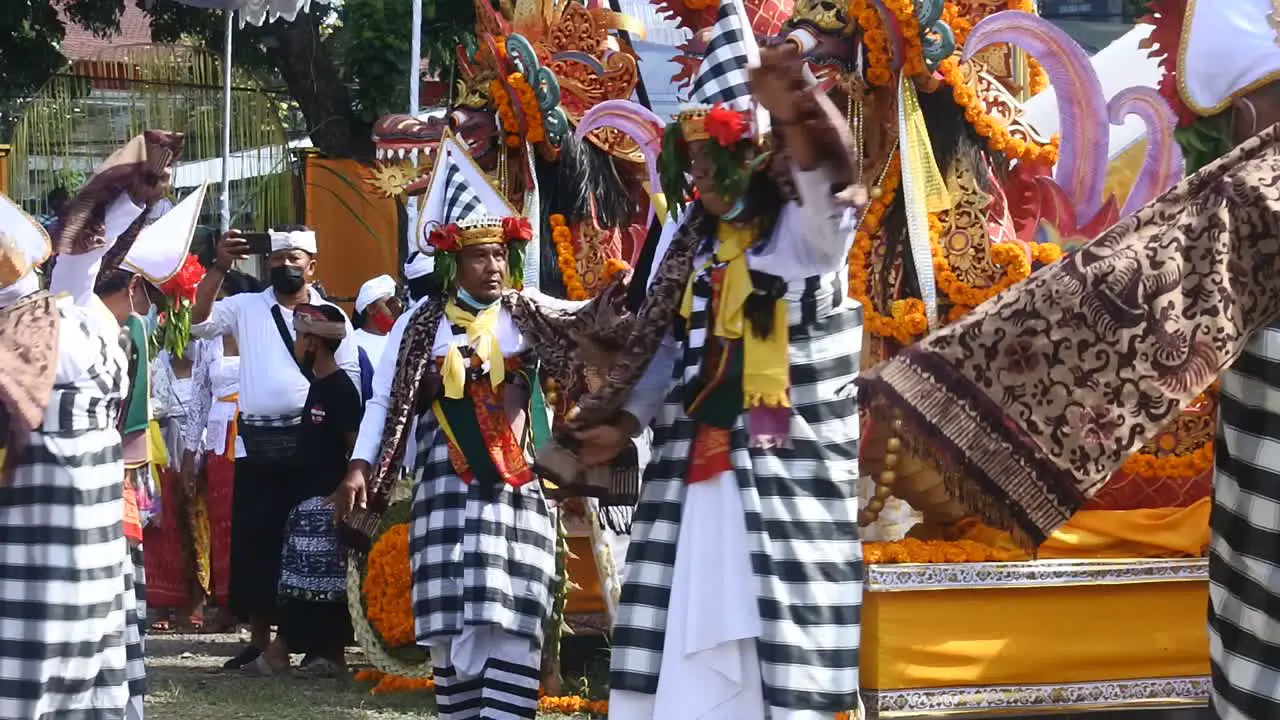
76	274
812	238
373	345
272	388
369	440
510	341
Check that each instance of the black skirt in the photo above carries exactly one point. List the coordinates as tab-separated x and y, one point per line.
260	505
314	627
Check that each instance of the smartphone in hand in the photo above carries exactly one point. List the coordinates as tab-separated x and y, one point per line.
259	242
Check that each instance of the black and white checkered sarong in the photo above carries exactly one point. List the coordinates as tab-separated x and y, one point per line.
801	515
67	648
1244	550
481	556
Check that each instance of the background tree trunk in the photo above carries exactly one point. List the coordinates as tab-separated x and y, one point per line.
314	83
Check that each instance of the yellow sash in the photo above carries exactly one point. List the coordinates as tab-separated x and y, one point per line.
483	339
766	371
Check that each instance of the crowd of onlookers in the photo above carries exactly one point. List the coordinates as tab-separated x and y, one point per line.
257	417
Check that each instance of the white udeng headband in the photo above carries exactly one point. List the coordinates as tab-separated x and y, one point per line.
296	240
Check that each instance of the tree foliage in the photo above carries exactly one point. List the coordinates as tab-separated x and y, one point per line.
343	67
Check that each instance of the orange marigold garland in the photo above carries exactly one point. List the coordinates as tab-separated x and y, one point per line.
1014	258
528	100
613	267
1147	465
906	319
562	237
388	588
912	550
995	130
875	37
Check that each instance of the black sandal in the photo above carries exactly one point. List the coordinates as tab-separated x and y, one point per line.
246	656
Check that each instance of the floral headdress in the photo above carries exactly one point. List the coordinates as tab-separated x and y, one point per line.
722	113
461	210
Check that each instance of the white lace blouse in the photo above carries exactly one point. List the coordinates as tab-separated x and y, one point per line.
215	377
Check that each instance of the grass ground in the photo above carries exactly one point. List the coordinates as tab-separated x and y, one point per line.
183	685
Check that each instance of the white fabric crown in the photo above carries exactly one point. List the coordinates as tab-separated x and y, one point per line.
376	289
304	240
458	193
162	247
1230	48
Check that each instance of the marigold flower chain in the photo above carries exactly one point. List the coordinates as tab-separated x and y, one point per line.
528	99
1010	256
613	267
388	588
562	237
879	57
913	550
995	130
906	320
1156	467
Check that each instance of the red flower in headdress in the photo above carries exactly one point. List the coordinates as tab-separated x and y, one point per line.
182	286
445	238
727	126
517	229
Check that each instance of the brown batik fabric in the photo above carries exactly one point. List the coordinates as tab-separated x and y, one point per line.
28	367
1035	397
552	333
81	226
649	325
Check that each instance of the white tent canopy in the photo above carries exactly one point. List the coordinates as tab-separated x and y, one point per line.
241	165
1120	65
258	12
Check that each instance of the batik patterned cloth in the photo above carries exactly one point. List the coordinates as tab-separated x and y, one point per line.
801	515
312	565
1038	395
70	641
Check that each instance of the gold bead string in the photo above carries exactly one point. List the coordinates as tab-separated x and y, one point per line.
888	476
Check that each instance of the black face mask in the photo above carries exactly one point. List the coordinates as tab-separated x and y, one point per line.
286	279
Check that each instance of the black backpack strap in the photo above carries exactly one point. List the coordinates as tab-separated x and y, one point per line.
287	338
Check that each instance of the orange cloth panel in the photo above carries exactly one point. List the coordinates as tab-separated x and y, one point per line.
357	231
1041	635
582	572
1160	532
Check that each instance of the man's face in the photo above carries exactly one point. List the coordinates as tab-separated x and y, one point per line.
389	306
482	270
295	258
301	347
702	169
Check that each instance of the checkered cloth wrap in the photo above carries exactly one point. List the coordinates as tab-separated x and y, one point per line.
461	203
723	76
801	515
481	555
1244	588
67	648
